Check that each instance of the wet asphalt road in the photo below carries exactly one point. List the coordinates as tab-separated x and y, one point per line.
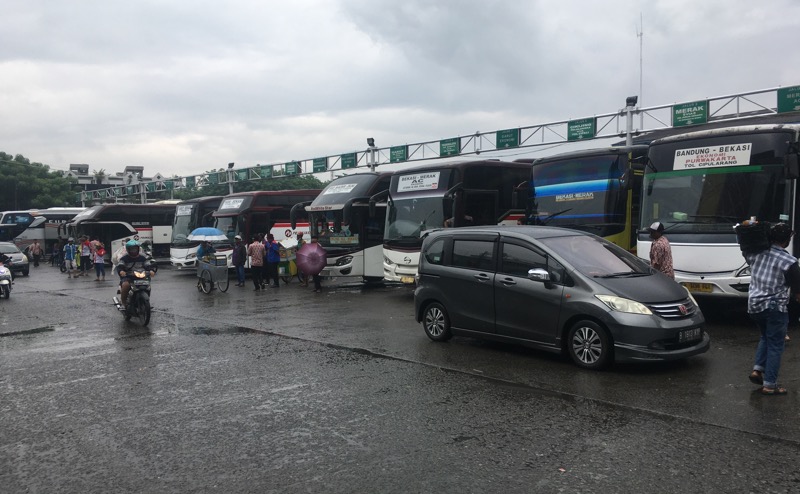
286	390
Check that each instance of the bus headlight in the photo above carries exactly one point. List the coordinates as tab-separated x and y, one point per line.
344	260
388	261
624	305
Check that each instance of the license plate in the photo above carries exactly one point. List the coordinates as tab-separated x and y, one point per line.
699	287
690	335
141	282
407	279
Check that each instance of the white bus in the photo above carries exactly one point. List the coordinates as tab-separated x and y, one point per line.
348	219
190	214
458	194
35	224
700	184
113	223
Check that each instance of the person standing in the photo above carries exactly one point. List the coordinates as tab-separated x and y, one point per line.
774	273
86	255
99	261
660	251
70	253
256	252
238	257
300	274
36	252
317	277
273	259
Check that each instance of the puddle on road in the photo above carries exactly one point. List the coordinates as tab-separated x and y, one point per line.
44	329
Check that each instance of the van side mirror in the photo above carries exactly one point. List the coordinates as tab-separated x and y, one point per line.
539	274
791	166
625	180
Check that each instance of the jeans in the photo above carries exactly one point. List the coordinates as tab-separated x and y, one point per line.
240	274
100	269
772	324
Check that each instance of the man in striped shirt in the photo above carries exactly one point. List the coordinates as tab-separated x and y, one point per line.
773	272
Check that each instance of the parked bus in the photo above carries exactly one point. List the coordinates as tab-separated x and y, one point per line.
348	218
597	191
264	211
700	184
113	223
190	214
448	195
35	224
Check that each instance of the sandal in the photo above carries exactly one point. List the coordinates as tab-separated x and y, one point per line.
774	391
757	377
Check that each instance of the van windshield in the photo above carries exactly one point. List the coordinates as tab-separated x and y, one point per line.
596	257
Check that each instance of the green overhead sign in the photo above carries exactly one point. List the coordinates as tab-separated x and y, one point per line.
320	164
241	175
450	147
191	182
398	154
690	114
349	161
507	138
292	168
788	99
266	171
585	128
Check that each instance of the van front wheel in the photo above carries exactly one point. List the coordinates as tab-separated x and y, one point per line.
436	322
589	345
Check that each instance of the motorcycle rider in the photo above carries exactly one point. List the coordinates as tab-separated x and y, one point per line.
6	261
127	263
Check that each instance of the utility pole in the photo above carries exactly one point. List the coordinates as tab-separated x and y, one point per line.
640	35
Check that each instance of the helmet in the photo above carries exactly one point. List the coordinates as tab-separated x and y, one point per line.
130	245
70	239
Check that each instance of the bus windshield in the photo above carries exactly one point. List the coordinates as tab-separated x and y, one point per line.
184	224
581	193
409	217
711	198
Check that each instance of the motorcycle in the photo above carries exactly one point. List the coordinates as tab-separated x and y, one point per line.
138	303
5	281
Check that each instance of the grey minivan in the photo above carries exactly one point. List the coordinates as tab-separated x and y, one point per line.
555	289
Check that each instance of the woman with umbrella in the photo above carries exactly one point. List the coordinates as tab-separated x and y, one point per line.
311	258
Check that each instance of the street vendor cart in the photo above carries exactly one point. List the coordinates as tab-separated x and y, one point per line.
213	270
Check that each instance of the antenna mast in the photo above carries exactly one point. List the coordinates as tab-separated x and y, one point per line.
640	35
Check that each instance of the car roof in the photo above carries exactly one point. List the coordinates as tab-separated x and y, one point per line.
9	244
535	232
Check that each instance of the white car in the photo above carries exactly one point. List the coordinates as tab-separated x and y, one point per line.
19	260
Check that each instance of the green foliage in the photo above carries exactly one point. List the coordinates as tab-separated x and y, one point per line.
26	185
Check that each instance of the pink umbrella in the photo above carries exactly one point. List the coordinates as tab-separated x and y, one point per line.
311	258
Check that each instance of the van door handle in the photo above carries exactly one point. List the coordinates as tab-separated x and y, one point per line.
508	282
482	277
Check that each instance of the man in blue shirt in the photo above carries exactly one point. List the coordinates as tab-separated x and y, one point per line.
70	251
774	272
273	259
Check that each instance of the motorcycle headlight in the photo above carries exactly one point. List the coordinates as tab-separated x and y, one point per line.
139	274
620	304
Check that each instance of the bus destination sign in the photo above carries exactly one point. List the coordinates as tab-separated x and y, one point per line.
712	156
418	181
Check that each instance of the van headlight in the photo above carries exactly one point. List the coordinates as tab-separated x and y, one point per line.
743	271
620	304
691	297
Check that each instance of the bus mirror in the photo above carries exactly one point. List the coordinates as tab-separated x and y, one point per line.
791	166
625	180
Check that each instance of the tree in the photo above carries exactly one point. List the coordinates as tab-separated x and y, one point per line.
26	185
99	175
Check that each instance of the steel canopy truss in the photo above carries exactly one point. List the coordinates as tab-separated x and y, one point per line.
607	125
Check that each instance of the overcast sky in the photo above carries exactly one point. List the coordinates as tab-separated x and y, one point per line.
181	87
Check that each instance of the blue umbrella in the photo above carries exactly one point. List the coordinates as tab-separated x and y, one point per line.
207	233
